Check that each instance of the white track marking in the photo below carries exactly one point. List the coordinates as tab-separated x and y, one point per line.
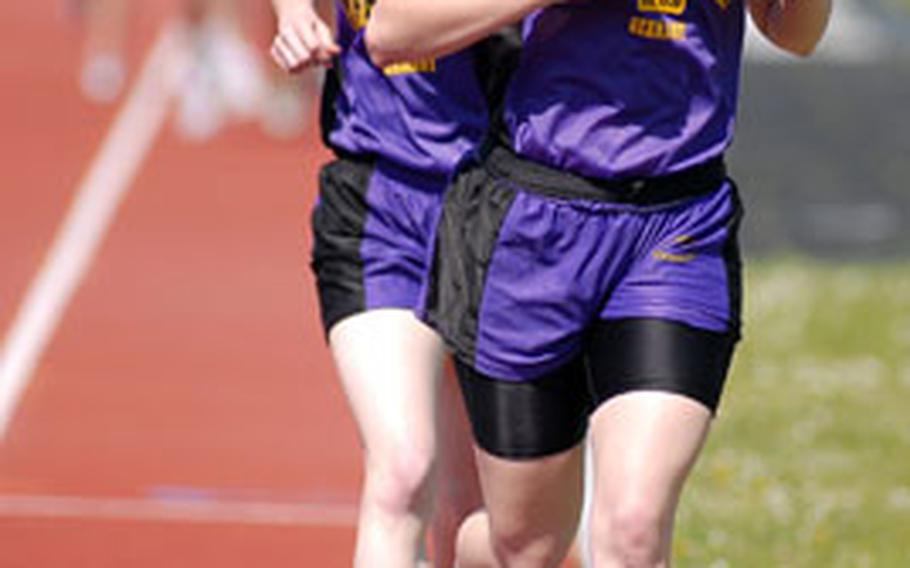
95	203
178	511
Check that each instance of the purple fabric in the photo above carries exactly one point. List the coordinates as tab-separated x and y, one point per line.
595	97
559	265
403	208
425	120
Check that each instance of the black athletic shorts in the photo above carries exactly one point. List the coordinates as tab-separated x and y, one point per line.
372	234
557	292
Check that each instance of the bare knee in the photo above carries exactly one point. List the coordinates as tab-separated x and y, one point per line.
399	483
631	535
522	544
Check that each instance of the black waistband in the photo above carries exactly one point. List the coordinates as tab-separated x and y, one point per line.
703	178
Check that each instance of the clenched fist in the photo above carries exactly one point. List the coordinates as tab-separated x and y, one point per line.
303	39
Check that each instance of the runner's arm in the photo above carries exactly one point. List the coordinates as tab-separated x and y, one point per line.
793	25
401	30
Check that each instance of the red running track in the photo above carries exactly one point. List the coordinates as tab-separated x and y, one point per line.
184	412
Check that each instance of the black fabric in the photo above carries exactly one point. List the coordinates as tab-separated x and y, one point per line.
733	263
495	60
473	210
501	161
528	419
549	414
331	86
653	354
337	224
328	113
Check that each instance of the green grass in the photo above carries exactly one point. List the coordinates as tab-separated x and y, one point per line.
808	464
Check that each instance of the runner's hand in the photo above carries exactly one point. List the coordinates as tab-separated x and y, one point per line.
303	39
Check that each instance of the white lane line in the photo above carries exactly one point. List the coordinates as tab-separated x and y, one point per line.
178	511
95	203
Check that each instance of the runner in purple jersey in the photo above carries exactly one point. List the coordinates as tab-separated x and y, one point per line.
398	132
586	272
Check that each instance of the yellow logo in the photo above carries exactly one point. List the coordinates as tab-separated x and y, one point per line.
673	256
657	29
420	66
674	7
724	4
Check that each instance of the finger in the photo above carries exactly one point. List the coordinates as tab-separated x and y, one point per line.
278	56
327	46
308	37
299	52
285	58
326	39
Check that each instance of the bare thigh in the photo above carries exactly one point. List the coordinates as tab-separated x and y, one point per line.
388	363
648	440
644	444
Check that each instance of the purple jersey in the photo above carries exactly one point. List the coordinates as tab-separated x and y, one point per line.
627	87
424	114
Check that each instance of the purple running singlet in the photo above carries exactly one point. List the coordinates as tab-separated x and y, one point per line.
623	88
424	115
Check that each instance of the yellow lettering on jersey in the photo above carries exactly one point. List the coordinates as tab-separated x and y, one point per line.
675	7
420	66
657	29
358	12
723	3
